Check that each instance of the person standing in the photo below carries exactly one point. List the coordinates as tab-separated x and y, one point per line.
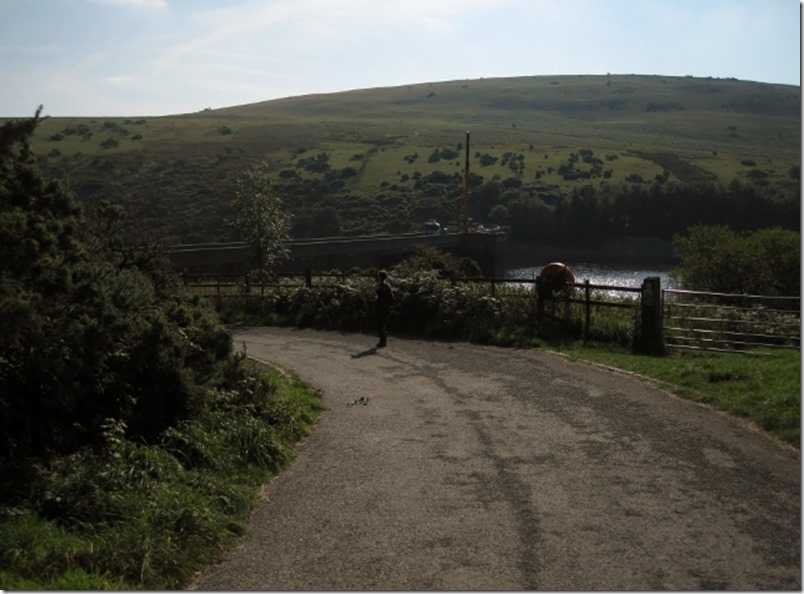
385	297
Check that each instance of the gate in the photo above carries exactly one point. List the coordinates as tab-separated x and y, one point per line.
730	323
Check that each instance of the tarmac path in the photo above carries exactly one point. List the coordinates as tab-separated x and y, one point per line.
440	466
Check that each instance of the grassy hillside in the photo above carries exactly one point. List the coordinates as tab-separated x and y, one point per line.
360	153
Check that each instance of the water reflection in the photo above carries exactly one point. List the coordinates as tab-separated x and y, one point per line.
601	274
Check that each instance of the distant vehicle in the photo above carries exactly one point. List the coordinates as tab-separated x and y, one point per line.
432	227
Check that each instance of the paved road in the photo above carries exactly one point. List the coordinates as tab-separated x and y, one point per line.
457	467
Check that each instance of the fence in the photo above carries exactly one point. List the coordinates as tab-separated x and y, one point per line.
653	319
732	323
577	306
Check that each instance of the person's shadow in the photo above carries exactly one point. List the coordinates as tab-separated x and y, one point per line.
371	351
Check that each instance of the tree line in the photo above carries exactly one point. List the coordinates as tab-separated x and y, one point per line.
655	210
538	212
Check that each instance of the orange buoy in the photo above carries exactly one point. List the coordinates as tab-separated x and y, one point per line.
556	277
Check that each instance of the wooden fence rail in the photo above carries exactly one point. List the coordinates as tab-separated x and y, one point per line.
236	286
679	319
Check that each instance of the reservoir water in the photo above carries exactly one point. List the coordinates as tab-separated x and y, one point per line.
605	274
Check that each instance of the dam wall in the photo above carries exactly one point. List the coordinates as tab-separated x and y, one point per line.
343	253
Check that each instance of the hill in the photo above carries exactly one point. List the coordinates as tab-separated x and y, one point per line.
385	159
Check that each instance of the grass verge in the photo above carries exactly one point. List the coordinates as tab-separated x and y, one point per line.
763	388
131	516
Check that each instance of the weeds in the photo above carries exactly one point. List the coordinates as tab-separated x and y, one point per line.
134	516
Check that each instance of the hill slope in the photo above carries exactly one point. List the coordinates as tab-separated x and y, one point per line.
372	160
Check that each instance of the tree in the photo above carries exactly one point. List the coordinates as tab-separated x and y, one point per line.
325	223
777	258
261	220
92	332
715	258
499	215
426	258
483	198
710	259
529	217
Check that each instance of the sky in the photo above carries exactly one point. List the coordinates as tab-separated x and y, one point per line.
166	57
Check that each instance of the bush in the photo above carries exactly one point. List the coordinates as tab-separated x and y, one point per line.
132	441
133	516
95	329
715	258
447	265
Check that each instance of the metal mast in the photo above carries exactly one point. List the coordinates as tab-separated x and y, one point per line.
463	220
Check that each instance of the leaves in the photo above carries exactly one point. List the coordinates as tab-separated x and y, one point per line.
96	329
261	220
715	258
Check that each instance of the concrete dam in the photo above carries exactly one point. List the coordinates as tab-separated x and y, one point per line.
343	253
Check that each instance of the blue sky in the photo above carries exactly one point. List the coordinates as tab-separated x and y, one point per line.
162	57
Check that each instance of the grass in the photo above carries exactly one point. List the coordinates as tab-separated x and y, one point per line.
135	517
180	172
763	389
549	113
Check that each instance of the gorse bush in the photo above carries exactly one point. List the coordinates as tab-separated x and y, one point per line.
132	439
93	330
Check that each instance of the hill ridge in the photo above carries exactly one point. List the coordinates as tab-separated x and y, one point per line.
383	158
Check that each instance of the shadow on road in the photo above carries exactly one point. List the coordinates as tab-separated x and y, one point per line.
371	351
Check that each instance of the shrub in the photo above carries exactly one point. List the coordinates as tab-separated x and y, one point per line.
131	516
715	258
94	329
428	258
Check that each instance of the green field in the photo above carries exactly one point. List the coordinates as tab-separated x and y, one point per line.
178	171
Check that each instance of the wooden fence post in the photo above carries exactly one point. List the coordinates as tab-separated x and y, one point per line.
587	309
539	299
247	293
652	339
